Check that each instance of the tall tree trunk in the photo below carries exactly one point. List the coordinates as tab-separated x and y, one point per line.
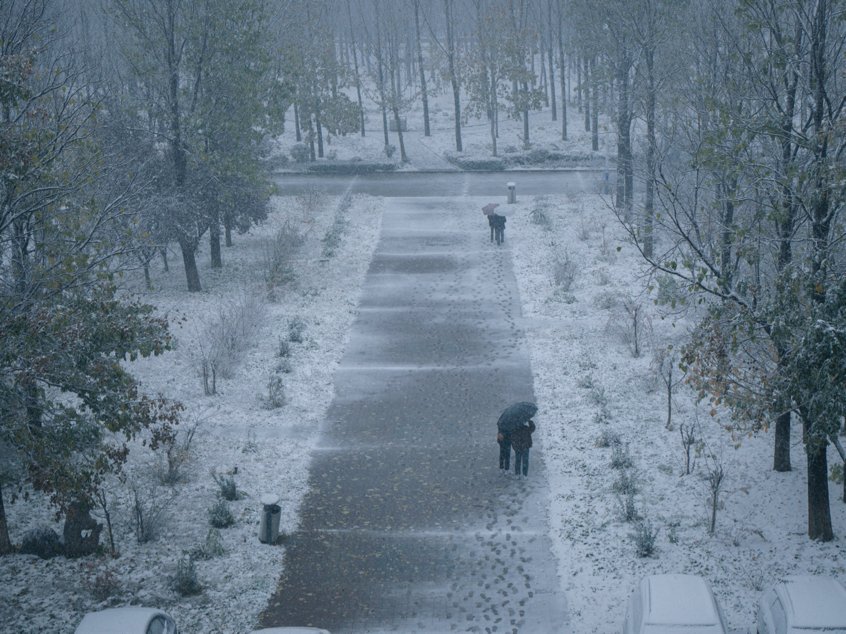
588	87
190	262
5	542
816	444
551	65
318	127
579	84
453	77
623	132
214	242
381	70
357	73
781	450
728	190
227	230
297	123
819	506
526	143
179	159
423	92
395	96
594	108
651	144
562	70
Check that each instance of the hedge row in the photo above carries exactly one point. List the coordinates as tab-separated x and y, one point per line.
349	167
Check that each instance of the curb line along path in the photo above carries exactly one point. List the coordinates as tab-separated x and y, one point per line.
409	525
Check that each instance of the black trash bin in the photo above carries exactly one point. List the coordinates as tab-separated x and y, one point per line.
269	526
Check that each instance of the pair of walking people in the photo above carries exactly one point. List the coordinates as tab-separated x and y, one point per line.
519	439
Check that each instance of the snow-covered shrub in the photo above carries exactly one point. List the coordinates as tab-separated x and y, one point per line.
603	278
174	455
310	200
632	325
103	584
211	548
278	256
627	507
585	381
300	153
224	338
626	483
608	438
390	150
185	581
602	416
275	392
42	541
538	155
149	511
584	231
538	214
332	239
644	537
353	166
565	271
607	253
296	328
284	366
284	349
620	457
226	485
606	300
673	531
220	516
598	396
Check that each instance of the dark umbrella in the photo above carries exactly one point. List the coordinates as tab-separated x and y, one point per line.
489	208
515	415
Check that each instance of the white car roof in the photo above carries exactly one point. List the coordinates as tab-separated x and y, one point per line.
814	602
114	620
290	630
677	599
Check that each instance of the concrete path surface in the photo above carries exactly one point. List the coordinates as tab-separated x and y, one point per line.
409	525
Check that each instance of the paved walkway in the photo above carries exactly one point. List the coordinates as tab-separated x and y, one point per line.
409	525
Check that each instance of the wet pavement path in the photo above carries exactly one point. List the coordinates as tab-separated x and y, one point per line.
409	525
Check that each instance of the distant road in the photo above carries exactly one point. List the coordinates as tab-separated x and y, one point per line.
419	184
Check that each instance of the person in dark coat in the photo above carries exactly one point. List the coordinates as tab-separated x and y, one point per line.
491	225
504	440
498	227
521	440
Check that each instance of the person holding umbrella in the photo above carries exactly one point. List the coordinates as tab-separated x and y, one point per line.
498	227
521	440
488	210
504	440
512	419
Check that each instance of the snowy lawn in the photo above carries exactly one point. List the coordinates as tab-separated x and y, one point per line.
264	450
589	385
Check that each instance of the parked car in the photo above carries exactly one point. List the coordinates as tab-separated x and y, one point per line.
668	604
290	630
129	620
803	605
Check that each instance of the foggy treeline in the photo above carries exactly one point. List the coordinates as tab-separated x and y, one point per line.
130	127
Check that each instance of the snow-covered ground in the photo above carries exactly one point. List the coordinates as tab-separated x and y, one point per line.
579	362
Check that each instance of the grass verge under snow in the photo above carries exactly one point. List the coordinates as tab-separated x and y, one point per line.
588	384
265	450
